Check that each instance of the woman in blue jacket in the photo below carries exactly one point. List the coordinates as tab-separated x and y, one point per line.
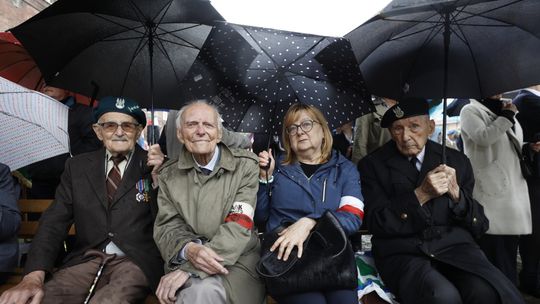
309	181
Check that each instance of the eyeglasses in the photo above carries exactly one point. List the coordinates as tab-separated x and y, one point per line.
305	125
112	126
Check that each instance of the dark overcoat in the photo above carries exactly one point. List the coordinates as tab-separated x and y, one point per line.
81	198
407	236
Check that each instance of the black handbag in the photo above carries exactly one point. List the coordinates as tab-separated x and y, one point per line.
327	262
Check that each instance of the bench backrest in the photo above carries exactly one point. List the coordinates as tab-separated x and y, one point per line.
29	223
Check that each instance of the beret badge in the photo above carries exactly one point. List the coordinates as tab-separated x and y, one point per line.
120	103
398	112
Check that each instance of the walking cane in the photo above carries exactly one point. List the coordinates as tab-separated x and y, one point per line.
105	258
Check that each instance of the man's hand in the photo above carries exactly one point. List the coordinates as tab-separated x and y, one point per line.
453	187
437	182
294	235
169	285
205	259
29	289
155	160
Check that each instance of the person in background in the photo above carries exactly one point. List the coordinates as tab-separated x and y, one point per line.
454	140
368	134
45	174
492	139
109	195
312	179
424	219
528	103
343	139
10	219
204	227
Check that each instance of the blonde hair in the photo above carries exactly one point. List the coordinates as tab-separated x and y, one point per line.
291	116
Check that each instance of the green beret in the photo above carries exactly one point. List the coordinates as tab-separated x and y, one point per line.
120	105
407	107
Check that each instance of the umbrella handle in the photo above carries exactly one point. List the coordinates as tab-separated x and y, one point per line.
105	258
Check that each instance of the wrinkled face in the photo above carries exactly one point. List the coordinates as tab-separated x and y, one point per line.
122	140
56	93
412	133
308	143
199	131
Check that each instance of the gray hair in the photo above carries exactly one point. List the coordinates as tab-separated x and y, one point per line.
194	102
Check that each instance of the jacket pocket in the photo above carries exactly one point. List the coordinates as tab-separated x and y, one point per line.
492	180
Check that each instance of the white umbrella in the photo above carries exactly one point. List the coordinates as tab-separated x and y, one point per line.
34	126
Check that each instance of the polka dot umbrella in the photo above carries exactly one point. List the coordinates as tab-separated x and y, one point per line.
221	64
293	67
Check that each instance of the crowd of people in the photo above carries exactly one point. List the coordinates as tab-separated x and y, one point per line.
181	220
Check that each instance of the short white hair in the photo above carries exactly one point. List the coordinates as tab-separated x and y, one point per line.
195	102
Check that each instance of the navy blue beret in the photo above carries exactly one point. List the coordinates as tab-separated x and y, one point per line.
406	107
120	105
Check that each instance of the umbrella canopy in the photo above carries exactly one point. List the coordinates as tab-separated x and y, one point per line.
293	67
475	48
454	108
34	126
220	66
135	48
528	104
449	48
17	65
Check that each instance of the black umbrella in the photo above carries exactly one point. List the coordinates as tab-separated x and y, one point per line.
135	48
528	104
454	108
217	72
449	48
292	67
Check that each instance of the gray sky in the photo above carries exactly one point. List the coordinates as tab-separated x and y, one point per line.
322	17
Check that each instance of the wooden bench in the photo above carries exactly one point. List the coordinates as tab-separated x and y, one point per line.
30	210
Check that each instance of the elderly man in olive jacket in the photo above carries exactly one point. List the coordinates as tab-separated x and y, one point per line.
204	227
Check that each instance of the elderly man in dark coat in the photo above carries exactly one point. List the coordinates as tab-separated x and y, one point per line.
109	196
423	217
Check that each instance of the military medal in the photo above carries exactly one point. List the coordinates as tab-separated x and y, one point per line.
143	185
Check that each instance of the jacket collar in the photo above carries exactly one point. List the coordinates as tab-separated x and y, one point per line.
226	160
97	178
336	159
400	163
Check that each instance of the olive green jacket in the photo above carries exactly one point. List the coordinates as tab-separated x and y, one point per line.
217	209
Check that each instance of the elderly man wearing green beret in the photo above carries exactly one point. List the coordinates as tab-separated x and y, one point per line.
109	196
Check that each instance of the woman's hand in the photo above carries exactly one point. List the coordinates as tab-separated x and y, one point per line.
535	146
266	157
294	235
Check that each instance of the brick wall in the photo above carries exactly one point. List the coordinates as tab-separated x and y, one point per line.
14	12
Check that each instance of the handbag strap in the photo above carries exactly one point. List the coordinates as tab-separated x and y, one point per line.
515	145
262	273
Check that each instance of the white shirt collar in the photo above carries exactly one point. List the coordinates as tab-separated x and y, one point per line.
108	155
419	158
212	163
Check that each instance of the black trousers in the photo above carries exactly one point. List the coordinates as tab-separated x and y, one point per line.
501	251
440	283
529	245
